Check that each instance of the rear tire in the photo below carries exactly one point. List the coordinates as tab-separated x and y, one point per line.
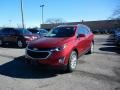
91	48
72	63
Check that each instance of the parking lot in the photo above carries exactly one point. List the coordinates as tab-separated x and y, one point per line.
98	71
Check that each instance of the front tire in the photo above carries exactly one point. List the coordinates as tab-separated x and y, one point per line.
20	44
91	48
72	63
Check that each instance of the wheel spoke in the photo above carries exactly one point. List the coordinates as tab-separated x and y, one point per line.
20	44
73	61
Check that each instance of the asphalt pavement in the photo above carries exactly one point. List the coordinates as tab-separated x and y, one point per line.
97	71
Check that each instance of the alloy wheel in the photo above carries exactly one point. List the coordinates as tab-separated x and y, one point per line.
92	48
20	44
73	60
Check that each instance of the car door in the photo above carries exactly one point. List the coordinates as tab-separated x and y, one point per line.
5	34
13	35
81	41
88	38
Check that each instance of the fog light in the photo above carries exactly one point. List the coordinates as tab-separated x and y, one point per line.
61	60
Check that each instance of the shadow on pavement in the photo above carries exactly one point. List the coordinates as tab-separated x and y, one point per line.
110	39
110	49
17	68
109	46
13	46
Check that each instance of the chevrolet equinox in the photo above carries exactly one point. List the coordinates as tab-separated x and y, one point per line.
61	46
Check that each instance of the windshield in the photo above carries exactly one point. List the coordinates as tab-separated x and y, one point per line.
24	32
43	31
34	31
61	32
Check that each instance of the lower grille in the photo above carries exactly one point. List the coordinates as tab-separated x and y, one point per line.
38	54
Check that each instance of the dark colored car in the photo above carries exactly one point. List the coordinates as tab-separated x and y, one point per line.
40	32
117	37
62	46
19	36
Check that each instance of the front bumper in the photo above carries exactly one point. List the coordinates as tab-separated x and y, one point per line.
54	58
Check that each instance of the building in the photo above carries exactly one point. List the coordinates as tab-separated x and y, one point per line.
102	25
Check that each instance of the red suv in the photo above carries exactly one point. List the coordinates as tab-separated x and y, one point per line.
61	46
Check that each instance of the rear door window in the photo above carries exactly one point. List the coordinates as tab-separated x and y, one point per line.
34	31
43	31
5	31
83	30
12	32
26	32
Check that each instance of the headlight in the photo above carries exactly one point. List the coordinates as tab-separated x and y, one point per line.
34	37
27	37
30	38
59	48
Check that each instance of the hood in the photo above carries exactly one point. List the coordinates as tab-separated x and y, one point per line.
49	42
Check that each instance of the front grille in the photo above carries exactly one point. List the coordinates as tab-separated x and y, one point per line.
38	54
40	49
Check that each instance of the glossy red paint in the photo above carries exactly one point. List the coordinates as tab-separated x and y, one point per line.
60	48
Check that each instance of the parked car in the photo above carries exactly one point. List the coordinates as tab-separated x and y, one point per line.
40	32
19	36
62	46
96	31
117	37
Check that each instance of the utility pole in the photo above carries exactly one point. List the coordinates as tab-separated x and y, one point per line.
23	26
42	6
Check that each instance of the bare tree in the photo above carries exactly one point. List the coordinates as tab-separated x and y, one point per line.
116	17
116	14
54	20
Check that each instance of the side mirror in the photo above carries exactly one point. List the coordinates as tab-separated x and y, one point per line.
80	35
